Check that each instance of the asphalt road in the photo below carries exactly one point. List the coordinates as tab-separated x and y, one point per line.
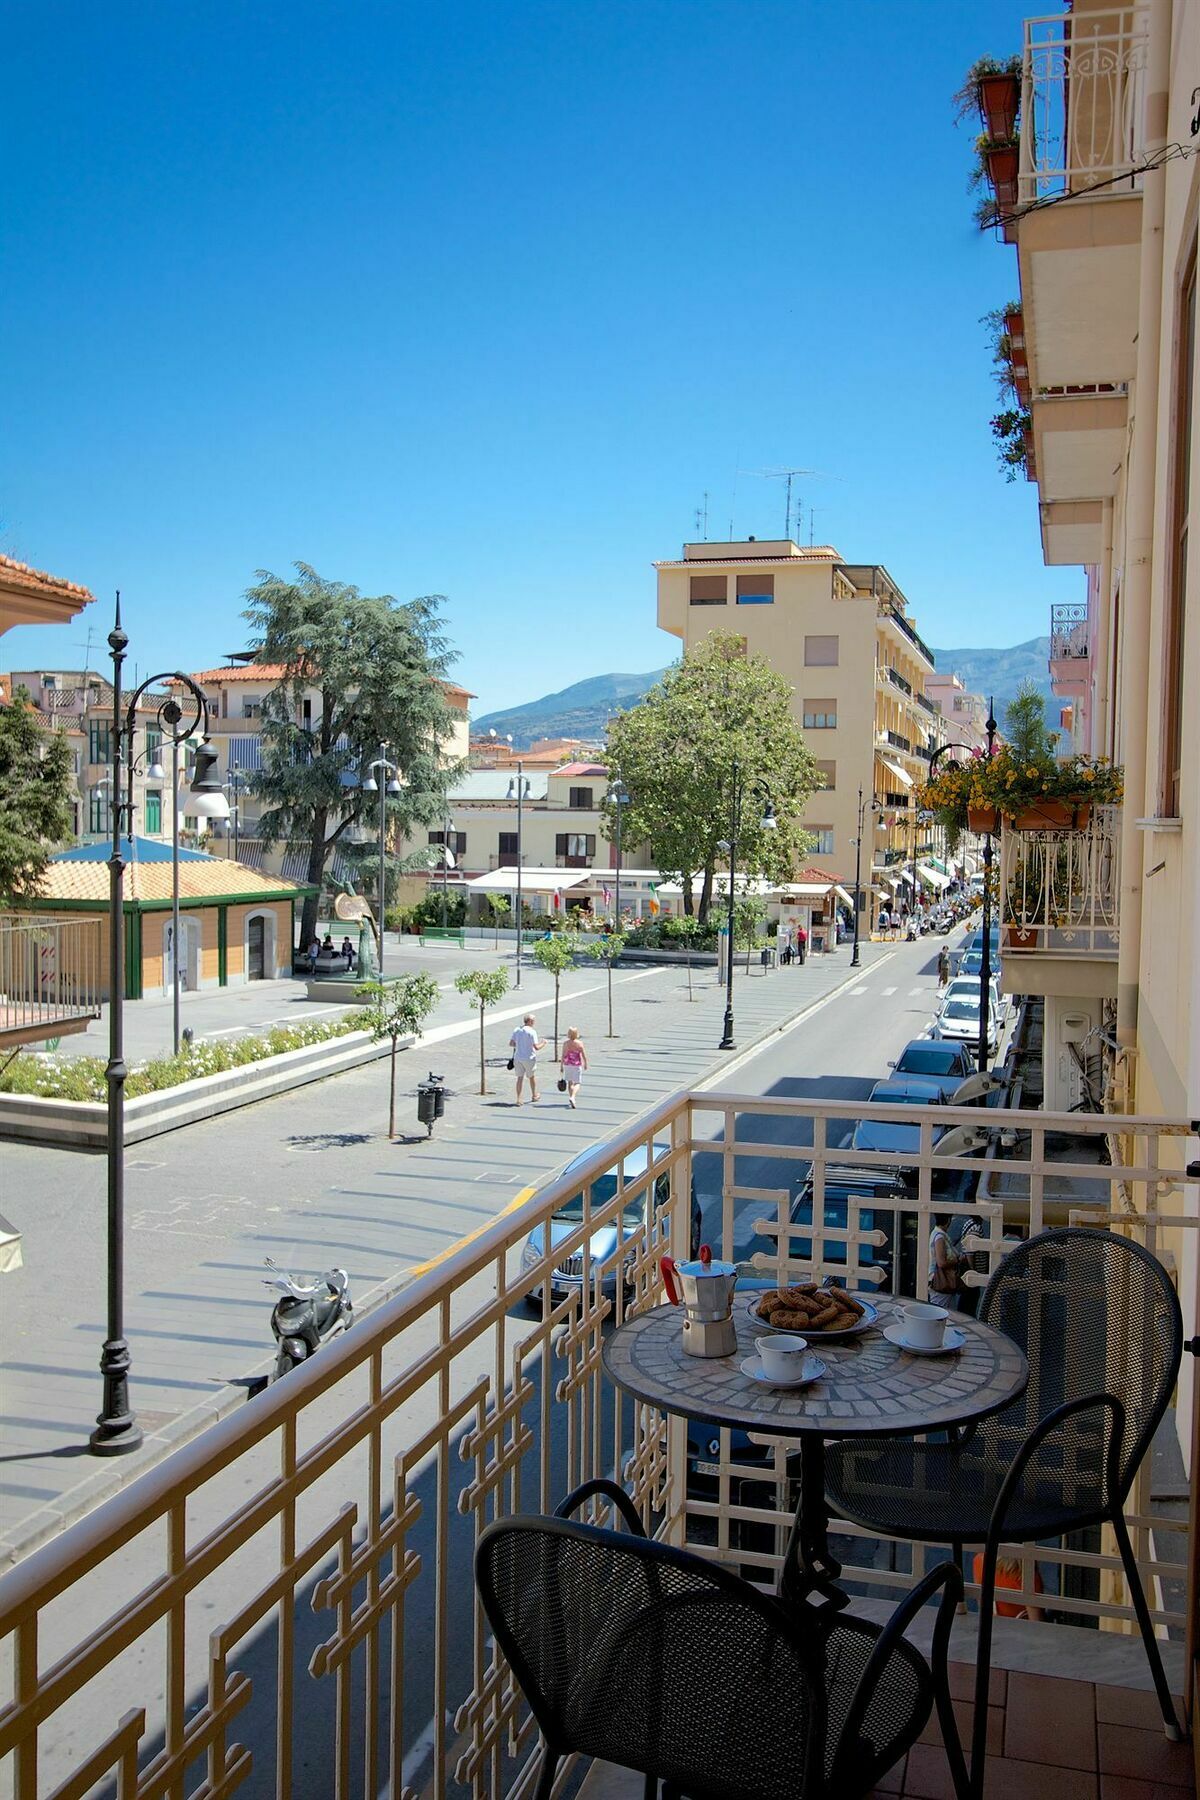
840	1049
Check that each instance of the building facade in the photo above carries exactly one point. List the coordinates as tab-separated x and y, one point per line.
841	635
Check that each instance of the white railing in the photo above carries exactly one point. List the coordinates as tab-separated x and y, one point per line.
1069	631
293	1590
1082	98
50	978
1060	889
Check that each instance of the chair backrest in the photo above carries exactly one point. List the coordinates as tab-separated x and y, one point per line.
1094	1313
645	1656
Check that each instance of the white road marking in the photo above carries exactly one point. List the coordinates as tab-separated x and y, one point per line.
858	990
887	991
912	992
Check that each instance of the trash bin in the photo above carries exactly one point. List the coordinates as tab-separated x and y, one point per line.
431	1101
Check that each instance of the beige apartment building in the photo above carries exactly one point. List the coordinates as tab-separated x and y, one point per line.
965	714
841	635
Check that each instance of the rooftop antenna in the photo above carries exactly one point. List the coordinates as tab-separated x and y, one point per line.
787	476
702	517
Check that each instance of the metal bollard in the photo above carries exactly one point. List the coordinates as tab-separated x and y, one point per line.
431	1101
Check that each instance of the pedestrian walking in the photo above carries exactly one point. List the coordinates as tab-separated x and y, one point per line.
945	1266
573	1062
943	965
801	943
525	1044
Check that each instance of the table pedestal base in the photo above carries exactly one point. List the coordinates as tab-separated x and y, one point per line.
810	1570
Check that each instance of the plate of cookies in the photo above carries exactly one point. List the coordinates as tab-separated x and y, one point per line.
812	1311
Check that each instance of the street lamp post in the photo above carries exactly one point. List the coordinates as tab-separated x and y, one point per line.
447	829
767	823
170	717
985	961
117	1430
856	956
238	783
387	784
517	789
618	793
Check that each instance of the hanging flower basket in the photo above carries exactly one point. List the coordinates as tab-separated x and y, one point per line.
1053	815
999	98
983	819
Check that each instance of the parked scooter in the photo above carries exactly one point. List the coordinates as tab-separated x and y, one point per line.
307	1315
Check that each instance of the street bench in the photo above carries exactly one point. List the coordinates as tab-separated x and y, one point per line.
444	934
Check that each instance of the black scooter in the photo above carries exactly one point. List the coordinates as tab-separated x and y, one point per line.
307	1315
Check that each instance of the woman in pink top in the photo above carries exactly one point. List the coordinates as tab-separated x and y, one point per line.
574	1062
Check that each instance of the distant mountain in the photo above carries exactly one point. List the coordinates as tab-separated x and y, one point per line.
580	711
999	673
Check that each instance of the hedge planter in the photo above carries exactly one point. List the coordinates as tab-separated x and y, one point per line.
999	99
1054	815
983	819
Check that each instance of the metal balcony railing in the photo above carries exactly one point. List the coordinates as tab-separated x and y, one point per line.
897	741
1082	100
1069	632
293	1588
897	680
50	978
888	609
1060	890
924	701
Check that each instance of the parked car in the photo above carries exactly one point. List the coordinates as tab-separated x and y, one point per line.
946	1063
971	963
568	1275
959	1013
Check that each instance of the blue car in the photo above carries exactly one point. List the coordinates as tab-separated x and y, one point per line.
568	1274
945	1062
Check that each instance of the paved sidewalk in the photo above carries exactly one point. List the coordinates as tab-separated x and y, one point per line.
311	1179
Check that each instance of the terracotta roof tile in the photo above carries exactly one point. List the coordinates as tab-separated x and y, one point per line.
152	881
260	672
20	575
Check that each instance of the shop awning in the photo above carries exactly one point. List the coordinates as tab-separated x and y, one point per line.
533	881
902	775
843	895
933	876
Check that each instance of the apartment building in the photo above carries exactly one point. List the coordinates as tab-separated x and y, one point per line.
236	695
488	752
79	703
842	637
964	714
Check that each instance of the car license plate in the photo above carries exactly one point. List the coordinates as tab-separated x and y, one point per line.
707	1468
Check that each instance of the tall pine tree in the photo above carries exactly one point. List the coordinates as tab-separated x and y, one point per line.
35	798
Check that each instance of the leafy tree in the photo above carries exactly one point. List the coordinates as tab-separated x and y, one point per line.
606	949
556	955
717	714
483	988
397	1009
373	669
35	804
749	911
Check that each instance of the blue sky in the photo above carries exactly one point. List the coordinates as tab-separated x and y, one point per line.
451	296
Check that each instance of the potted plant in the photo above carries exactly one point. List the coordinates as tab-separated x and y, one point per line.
1012	428
994	86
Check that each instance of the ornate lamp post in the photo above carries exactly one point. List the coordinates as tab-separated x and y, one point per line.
387	785
768	822
618	794
170	718
985	961
856	957
447	833
117	1430
518	787
237	782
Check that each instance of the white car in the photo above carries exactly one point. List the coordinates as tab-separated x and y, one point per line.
958	1016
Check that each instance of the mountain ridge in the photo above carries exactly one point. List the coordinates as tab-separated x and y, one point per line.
582	710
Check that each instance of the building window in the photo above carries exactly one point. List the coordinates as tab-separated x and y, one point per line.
581	799
574	843
153	812
99	741
1172	765
99	817
824	839
708	590
457	841
821	652
508	843
820	715
191	821
153	741
306	711
252	707
828	774
756	590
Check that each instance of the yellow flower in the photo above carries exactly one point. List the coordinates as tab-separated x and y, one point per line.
1089	774
1031	772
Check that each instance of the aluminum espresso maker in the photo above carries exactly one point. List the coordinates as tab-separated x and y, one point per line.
705	1290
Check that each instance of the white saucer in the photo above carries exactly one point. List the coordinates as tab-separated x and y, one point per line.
953	1339
813	1370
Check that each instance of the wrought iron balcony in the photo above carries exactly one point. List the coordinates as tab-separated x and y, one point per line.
897	680
1082	99
50	978
1060	890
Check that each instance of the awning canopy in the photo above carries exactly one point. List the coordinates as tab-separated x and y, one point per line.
902	775
933	876
533	881
843	895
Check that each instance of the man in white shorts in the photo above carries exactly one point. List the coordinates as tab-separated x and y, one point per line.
525	1044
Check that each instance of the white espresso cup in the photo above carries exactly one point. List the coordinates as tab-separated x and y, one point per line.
783	1357
924	1325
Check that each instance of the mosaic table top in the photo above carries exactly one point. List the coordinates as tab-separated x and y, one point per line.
871	1388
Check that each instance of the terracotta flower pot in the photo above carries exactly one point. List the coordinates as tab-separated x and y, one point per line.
999	99
1019	937
1014	329
1054	815
1022	388
982	819
1002	167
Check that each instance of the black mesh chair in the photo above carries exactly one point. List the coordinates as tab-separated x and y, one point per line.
1099	1321
665	1663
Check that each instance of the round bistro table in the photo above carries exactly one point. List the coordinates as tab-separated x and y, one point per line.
871	1388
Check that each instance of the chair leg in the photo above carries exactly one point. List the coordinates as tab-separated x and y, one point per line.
1146	1625
546	1774
983	1671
